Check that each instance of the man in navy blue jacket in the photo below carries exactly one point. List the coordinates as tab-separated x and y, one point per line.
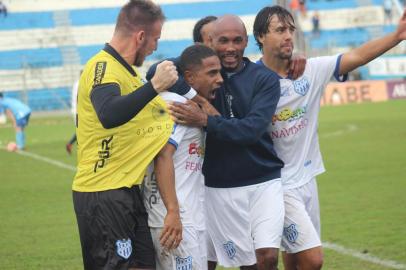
244	195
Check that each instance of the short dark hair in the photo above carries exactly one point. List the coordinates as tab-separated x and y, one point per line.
263	19
197	35
138	13
193	56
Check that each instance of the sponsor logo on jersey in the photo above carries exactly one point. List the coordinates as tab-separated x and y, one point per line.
196	149
193	166
287	114
99	71
104	153
290	131
230	249
301	86
153	131
184	263
159	123
124	248
154	197
291	233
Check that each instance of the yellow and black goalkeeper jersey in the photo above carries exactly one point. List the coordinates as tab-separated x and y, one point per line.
116	157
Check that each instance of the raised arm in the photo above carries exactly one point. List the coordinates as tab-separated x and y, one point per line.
114	110
373	49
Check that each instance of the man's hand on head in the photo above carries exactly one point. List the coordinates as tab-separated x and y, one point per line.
165	76
189	114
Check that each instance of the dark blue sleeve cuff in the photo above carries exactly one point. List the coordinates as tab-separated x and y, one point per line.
337	76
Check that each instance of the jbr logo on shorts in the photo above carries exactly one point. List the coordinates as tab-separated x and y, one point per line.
124	248
184	263
291	233
229	248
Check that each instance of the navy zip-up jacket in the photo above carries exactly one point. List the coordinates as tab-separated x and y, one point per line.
239	150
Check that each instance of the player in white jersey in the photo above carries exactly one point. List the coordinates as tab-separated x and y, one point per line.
294	126
184	152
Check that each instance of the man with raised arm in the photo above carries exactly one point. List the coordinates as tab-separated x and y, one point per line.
294	125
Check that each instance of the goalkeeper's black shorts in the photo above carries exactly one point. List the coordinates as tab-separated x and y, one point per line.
113	229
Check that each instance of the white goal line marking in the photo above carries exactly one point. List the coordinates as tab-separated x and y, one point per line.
364	257
44	159
335	247
349	128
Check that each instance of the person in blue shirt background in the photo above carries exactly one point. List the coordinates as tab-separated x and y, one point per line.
19	113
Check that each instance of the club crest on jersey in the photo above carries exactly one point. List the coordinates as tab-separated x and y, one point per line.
184	263
124	248
291	233
301	86
230	249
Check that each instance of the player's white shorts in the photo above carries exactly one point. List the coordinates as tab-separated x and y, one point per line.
302	218
242	219
190	254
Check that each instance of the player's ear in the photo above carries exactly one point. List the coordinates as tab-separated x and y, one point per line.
140	36
210	41
189	77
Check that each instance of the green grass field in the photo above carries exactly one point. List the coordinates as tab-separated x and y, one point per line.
363	201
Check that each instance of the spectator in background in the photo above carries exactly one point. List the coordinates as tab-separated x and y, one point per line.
302	7
294	6
3	9
387	9
316	24
19	113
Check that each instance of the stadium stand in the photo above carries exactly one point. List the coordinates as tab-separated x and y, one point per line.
44	43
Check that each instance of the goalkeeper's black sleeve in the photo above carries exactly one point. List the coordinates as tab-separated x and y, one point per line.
113	109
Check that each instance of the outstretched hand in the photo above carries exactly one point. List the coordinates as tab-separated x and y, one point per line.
401	30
